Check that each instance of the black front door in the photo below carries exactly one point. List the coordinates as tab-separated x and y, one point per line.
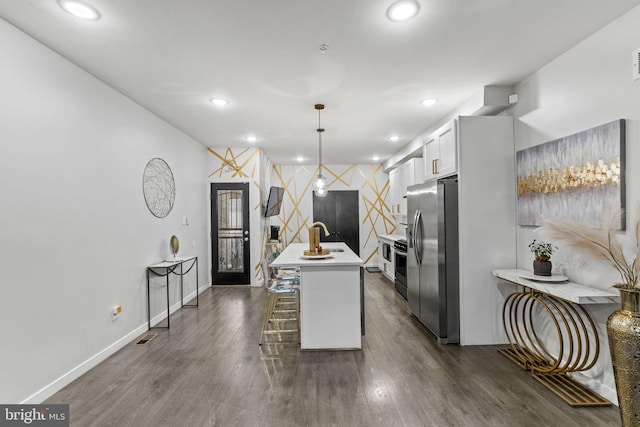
230	233
339	211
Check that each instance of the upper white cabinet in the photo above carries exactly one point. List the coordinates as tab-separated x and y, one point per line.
440	152
408	173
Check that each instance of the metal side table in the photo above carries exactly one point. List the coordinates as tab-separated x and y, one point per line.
165	269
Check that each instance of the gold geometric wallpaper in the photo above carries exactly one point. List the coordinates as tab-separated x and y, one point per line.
243	165
297	210
251	165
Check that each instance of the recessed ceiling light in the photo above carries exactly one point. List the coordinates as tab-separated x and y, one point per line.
300	159
220	102
80	9
403	10
428	102
251	138
375	158
394	138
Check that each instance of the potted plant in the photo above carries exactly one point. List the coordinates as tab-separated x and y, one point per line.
623	325
542	252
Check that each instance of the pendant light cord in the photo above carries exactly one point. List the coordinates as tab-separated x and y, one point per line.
319	107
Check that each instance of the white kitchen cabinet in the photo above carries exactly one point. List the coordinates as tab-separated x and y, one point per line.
408	173
440	152
398	188
386	257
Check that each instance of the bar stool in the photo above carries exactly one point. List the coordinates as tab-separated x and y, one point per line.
282	315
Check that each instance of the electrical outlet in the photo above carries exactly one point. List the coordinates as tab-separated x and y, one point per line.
115	313
636	64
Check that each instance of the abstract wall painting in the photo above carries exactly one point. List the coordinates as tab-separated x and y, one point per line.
577	178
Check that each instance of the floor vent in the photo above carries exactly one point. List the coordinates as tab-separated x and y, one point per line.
145	340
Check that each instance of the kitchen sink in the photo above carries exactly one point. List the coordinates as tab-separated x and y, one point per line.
336	250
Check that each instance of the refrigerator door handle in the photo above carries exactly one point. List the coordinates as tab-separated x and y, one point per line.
413	230
417	237
412	233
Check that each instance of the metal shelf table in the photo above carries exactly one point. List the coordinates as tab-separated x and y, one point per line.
165	269
576	351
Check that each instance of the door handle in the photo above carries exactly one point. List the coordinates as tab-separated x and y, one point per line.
413	229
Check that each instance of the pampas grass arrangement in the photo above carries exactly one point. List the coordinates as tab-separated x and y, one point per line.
601	244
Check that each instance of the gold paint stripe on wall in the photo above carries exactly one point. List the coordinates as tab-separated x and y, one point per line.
338	177
376	205
373	188
379	193
289	219
230	160
237	169
304	226
372	222
389	224
242	164
258	206
371	255
226	163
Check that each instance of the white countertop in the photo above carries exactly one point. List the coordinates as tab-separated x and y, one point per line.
172	261
568	291
391	237
293	256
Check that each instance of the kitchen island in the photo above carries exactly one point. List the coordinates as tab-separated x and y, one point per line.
330	296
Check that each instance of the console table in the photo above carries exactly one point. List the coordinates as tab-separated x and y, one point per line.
578	344
165	269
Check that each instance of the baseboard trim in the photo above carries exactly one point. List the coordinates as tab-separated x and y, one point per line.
76	372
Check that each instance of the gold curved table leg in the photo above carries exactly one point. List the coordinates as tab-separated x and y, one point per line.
576	350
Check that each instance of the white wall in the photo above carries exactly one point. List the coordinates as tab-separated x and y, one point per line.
486	220
76	232
587	86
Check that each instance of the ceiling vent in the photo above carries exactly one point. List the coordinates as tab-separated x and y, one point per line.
636	64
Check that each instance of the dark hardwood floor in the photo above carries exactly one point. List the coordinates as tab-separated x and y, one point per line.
208	370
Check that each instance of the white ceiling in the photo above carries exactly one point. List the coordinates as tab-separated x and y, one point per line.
264	56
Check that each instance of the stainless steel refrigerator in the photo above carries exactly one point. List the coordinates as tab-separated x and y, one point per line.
432	257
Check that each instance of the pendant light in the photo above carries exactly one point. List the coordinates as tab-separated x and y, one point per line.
320	183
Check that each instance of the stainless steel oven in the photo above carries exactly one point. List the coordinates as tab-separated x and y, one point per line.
400	271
